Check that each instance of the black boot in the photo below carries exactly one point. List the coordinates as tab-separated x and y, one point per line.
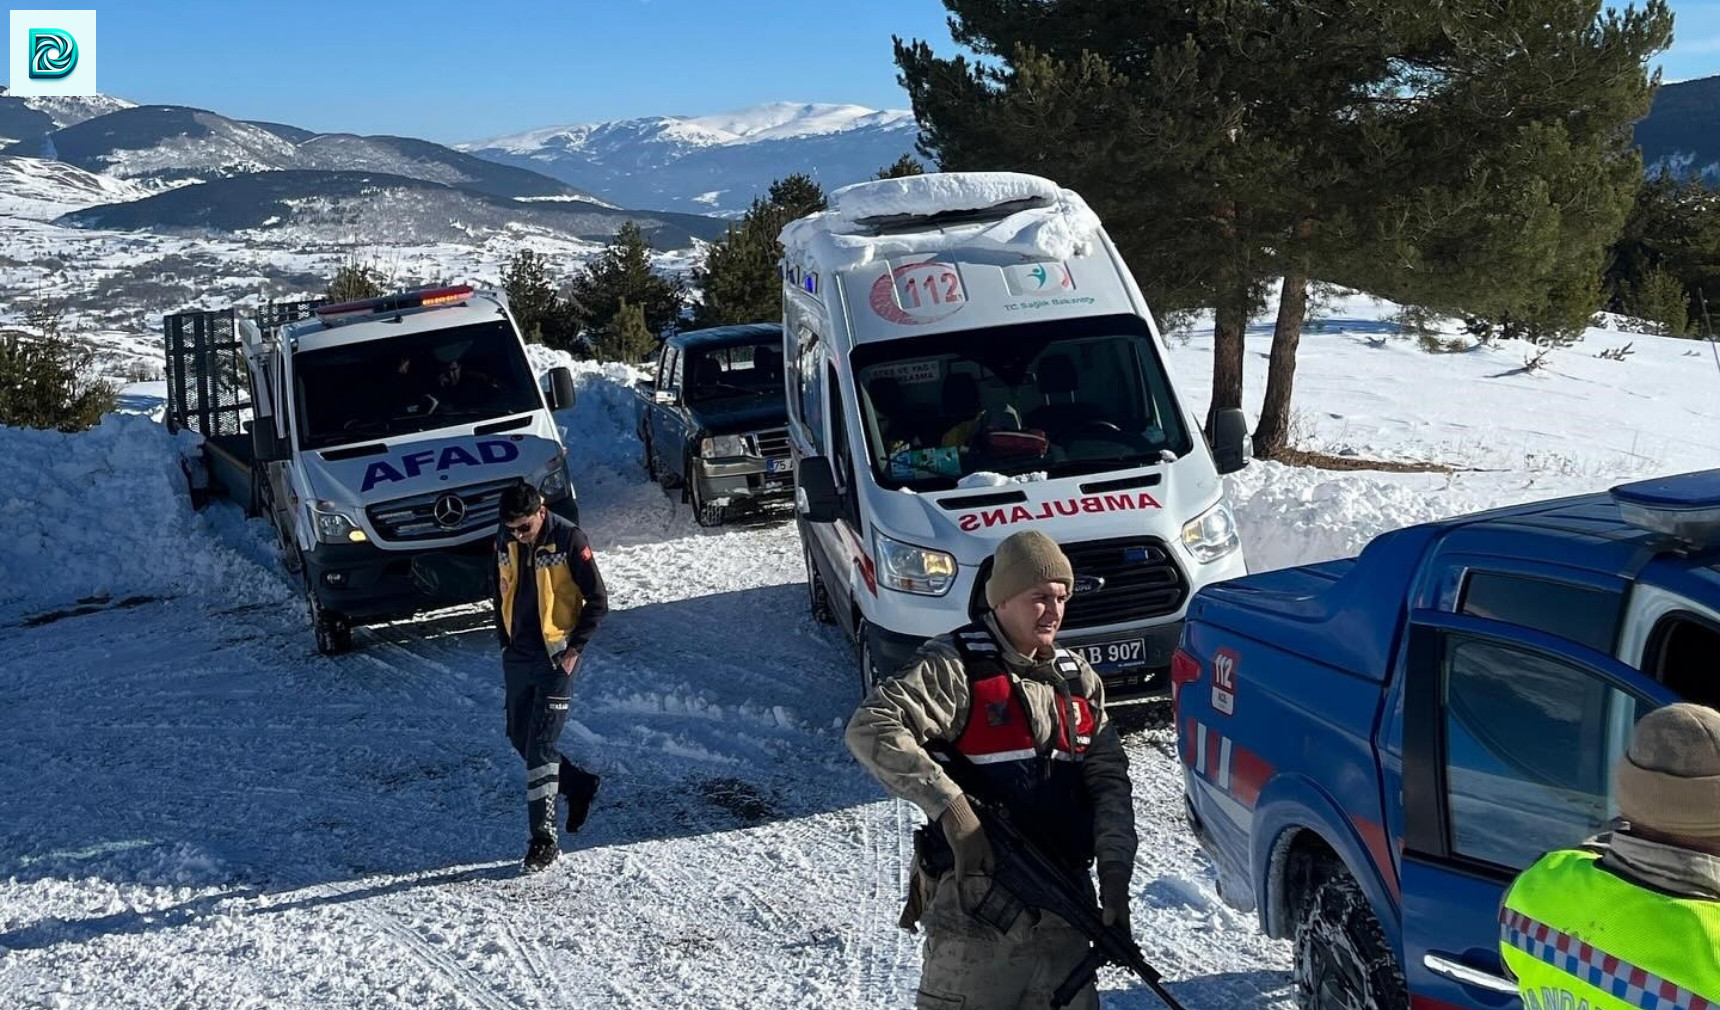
539	855
579	787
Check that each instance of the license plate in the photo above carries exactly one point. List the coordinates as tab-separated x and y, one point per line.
1102	656
778	465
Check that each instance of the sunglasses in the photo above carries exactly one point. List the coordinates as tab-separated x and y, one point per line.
524	527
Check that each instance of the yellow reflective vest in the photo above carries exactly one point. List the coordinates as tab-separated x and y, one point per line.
1580	937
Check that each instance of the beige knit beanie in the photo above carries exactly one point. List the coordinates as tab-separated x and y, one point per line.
1669	780
1023	561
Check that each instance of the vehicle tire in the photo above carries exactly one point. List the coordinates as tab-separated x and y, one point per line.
704	513
1342	959
818	597
868	662
333	631
257	504
654	467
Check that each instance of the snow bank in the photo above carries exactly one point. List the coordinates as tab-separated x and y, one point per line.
107	513
1295	516
833	240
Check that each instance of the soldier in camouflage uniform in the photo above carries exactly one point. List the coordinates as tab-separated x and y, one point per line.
1030	719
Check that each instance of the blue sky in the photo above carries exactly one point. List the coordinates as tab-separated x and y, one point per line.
452	71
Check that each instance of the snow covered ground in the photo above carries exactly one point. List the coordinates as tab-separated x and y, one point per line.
203	813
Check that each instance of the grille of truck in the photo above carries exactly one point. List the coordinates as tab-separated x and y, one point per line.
416	518
772	444
1141	580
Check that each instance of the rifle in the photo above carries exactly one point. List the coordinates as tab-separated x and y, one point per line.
1034	880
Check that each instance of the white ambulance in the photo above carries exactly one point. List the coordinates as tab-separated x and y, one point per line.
967	356
384	433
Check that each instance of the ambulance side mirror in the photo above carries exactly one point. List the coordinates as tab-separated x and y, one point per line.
1231	445
815	491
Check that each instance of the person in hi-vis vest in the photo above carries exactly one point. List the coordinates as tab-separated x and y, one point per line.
1632	918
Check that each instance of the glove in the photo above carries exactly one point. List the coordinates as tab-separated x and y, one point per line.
967	838
1114	894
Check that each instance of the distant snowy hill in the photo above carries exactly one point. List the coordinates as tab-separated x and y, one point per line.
30	117
376	208
710	164
167	145
1682	130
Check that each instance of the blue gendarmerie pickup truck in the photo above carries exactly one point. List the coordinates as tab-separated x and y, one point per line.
1374	747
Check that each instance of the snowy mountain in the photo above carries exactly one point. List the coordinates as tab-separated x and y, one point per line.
1682	130
710	164
43	190
219	817
31	117
376	208
168	145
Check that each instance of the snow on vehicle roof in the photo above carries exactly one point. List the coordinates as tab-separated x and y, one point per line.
1002	211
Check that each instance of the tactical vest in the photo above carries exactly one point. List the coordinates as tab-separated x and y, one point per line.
1576	935
1044	792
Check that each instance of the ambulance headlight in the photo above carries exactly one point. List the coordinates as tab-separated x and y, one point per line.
1212	534
333	525
909	569
551	478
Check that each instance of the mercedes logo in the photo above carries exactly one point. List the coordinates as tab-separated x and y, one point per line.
449	510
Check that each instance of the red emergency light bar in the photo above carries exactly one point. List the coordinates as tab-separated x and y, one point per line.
418	299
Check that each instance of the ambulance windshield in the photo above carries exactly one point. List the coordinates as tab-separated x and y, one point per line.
413	382
1065	397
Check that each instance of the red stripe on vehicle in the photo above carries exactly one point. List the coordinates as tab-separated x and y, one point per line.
1249	773
1374	837
1429	1003
1188	738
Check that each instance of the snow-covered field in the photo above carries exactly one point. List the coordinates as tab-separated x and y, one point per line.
200	812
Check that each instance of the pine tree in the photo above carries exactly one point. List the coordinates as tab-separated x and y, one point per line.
902	167
1448	157
1660	298
627	338
1672	234
354	281
797	195
48	380
740	279
544	317
622	272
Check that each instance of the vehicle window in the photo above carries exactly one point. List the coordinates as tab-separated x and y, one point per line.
1681	654
1074	396
1583	614
409	383
675	369
747	370
1530	742
661	374
811	394
841	454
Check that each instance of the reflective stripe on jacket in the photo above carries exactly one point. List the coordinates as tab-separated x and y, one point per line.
1575	934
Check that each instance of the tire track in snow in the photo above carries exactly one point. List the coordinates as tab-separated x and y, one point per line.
465	984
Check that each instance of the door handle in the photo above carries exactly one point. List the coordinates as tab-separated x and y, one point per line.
1466	975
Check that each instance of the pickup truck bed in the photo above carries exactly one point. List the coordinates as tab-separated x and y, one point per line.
1373	749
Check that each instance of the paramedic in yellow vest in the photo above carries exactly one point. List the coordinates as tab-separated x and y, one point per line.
1631	919
549	600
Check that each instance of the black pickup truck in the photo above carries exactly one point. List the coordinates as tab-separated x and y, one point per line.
714	420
